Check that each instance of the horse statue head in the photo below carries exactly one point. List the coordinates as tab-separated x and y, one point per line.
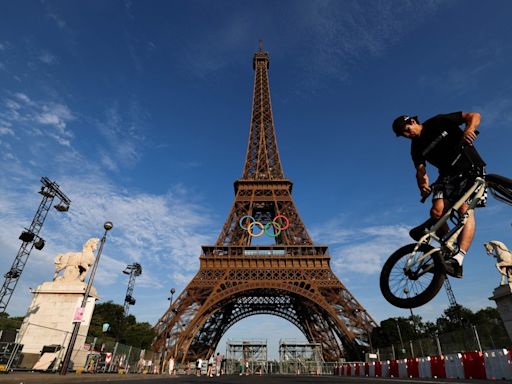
503	257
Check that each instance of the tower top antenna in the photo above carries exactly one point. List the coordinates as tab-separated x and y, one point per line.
260	44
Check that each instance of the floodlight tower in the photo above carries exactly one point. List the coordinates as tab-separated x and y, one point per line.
30	237
133	270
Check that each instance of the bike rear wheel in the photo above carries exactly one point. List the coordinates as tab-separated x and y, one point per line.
500	187
418	285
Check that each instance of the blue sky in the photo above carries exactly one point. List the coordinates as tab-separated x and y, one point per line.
140	111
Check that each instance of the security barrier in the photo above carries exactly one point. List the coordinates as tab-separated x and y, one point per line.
413	367
473	363
453	366
424	367
378	369
402	368
437	366
393	368
498	365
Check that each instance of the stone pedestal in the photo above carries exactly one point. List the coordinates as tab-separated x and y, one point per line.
502	295
49	319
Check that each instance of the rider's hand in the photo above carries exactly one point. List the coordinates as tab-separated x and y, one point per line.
425	191
469	136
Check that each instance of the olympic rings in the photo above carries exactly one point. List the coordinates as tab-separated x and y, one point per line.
264	228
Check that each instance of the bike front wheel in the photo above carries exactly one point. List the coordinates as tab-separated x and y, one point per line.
412	287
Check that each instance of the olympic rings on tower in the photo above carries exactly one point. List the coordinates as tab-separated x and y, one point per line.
264	228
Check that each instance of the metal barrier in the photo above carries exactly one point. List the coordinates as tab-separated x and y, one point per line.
93	355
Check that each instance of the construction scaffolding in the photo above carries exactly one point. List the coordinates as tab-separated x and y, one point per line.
300	357
246	356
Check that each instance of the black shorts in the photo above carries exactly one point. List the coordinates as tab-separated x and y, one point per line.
452	188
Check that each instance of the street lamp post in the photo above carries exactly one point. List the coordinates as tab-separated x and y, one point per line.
414	327
173	290
108	226
400	335
406	291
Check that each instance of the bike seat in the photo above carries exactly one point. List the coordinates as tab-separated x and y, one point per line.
417	232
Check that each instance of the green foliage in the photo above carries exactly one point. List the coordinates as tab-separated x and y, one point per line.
487	321
7	322
126	330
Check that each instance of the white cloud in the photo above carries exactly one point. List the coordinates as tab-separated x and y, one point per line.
48	58
122	135
54	114
362	250
38	117
23	97
496	112
6	131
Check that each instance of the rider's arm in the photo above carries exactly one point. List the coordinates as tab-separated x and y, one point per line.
422	179
472	120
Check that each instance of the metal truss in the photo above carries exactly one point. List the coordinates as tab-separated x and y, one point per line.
30	237
290	278
292	350
247	350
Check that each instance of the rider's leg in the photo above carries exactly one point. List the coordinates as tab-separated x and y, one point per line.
437	211
466	236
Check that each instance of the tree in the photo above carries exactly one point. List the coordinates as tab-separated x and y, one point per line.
454	318
140	335
390	331
11	323
126	330
107	312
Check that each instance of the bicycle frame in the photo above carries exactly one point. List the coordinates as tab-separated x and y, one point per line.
447	242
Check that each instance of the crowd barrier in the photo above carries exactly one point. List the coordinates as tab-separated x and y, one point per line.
494	364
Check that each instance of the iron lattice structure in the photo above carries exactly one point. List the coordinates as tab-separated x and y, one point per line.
30	237
133	270
290	278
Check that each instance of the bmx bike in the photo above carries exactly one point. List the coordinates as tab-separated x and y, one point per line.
414	274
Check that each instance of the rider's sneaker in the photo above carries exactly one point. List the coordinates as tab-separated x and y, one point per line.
454	269
417	232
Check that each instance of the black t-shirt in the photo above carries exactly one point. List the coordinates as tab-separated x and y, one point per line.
440	144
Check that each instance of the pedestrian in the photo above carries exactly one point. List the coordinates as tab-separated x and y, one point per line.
242	366
218	363
171	366
199	364
210	366
223	365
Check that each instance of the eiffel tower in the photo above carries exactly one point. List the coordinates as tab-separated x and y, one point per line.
290	278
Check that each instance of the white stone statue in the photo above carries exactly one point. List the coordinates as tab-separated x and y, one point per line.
504	259
75	264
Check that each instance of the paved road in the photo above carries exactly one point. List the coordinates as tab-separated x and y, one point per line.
37	378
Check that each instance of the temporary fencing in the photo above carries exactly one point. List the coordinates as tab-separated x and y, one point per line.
92	354
488	365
